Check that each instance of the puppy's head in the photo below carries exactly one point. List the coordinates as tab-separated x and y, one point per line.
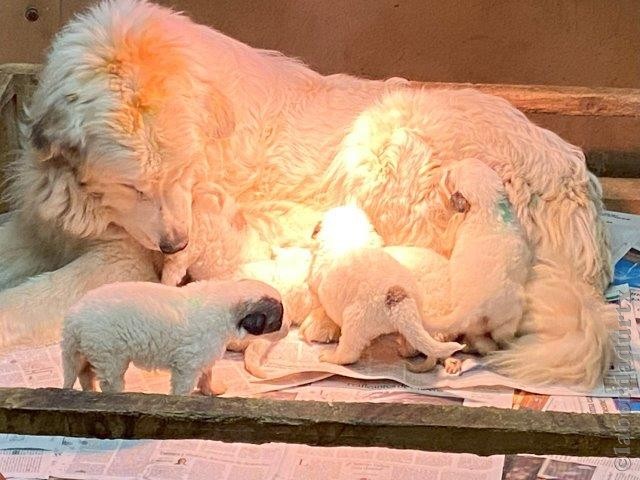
471	183
256	307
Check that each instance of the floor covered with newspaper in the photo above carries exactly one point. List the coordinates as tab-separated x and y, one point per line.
294	373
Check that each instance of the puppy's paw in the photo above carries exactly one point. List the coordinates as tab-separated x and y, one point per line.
426	365
337	359
444	337
452	366
211	386
317	327
172	273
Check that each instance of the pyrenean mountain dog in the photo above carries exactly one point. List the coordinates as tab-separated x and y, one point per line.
136	102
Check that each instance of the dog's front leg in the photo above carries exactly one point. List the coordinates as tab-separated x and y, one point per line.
31	313
19	257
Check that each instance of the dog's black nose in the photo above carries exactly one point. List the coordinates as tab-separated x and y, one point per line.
170	247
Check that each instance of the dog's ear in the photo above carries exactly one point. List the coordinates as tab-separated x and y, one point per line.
59	198
53	133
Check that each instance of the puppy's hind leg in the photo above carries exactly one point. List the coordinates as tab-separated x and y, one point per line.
405	316
318	327
354	339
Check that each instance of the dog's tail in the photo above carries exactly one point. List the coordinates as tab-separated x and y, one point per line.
405	315
564	332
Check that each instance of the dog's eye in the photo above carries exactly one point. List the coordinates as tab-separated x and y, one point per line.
141	195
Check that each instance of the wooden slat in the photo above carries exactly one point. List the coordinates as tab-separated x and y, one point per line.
581	101
483	431
621	194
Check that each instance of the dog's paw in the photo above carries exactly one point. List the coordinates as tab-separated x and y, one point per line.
453	366
317	327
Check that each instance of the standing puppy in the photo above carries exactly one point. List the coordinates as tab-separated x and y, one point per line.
154	326
365	291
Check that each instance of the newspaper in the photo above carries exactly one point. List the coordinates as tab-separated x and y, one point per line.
81	458
381	362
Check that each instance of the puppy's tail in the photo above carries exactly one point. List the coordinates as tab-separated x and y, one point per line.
70	349
565	332
405	315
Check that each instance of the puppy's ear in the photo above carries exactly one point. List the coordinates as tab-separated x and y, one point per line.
459	203
316	230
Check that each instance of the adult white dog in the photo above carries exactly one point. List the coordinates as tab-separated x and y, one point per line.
136	101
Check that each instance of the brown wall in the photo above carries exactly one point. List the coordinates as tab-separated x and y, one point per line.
563	42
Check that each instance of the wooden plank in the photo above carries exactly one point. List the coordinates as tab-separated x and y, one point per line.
621	194
581	101
483	431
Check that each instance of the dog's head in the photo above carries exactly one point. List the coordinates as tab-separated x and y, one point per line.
118	131
255	307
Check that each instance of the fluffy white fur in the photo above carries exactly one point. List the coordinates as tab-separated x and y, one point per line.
489	263
137	103
154	326
564	336
365	291
217	244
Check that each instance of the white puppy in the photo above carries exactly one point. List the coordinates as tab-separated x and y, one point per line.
364	290
490	261
288	273
218	239
154	326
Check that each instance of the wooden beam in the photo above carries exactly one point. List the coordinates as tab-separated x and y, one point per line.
582	101
621	194
483	431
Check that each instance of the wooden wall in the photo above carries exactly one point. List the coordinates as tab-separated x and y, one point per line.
552	42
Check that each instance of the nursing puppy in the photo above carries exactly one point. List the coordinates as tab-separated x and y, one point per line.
490	261
154	326
365	291
218	240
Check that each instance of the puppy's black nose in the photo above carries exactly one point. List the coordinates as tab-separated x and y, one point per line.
170	247
266	318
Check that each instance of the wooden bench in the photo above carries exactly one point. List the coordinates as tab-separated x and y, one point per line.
605	122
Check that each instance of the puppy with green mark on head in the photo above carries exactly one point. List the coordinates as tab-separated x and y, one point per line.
490	261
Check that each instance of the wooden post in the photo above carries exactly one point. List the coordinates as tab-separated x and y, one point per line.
483	431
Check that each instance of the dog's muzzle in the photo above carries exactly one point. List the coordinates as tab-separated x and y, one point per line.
170	246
